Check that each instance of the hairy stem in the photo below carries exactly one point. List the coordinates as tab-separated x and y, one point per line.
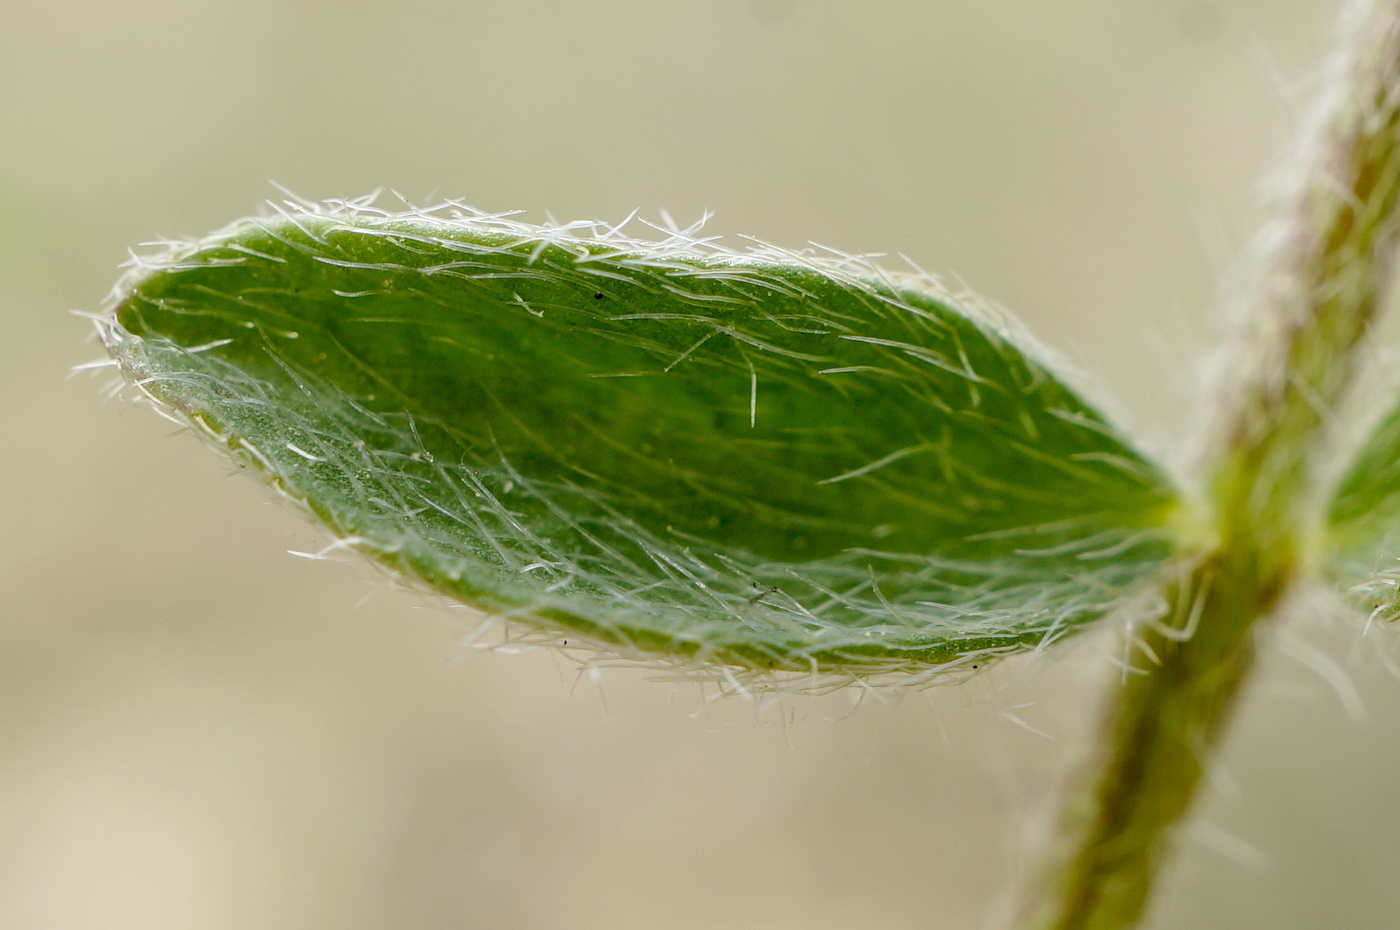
1327	269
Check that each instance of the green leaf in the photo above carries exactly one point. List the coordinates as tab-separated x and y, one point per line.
1362	549
755	459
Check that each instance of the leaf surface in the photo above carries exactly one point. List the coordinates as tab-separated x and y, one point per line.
755	459
1363	545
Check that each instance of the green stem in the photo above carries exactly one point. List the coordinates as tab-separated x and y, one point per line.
1321	287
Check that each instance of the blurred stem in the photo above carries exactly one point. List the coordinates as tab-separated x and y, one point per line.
1327	269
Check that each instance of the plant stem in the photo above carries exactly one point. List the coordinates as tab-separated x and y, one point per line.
1327	269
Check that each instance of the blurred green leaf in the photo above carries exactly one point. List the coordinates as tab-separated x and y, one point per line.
759	459
1363	550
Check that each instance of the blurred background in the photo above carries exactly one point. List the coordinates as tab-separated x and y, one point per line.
199	731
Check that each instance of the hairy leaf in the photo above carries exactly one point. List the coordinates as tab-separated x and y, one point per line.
758	459
1363	549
